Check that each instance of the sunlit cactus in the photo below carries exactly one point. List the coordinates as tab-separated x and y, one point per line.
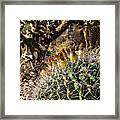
77	80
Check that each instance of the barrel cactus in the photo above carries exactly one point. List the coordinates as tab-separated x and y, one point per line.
77	80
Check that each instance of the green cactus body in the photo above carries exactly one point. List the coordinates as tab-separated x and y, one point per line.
79	80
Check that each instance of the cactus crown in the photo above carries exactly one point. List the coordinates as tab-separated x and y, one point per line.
76	80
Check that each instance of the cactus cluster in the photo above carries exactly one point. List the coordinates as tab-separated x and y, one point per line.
78	80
